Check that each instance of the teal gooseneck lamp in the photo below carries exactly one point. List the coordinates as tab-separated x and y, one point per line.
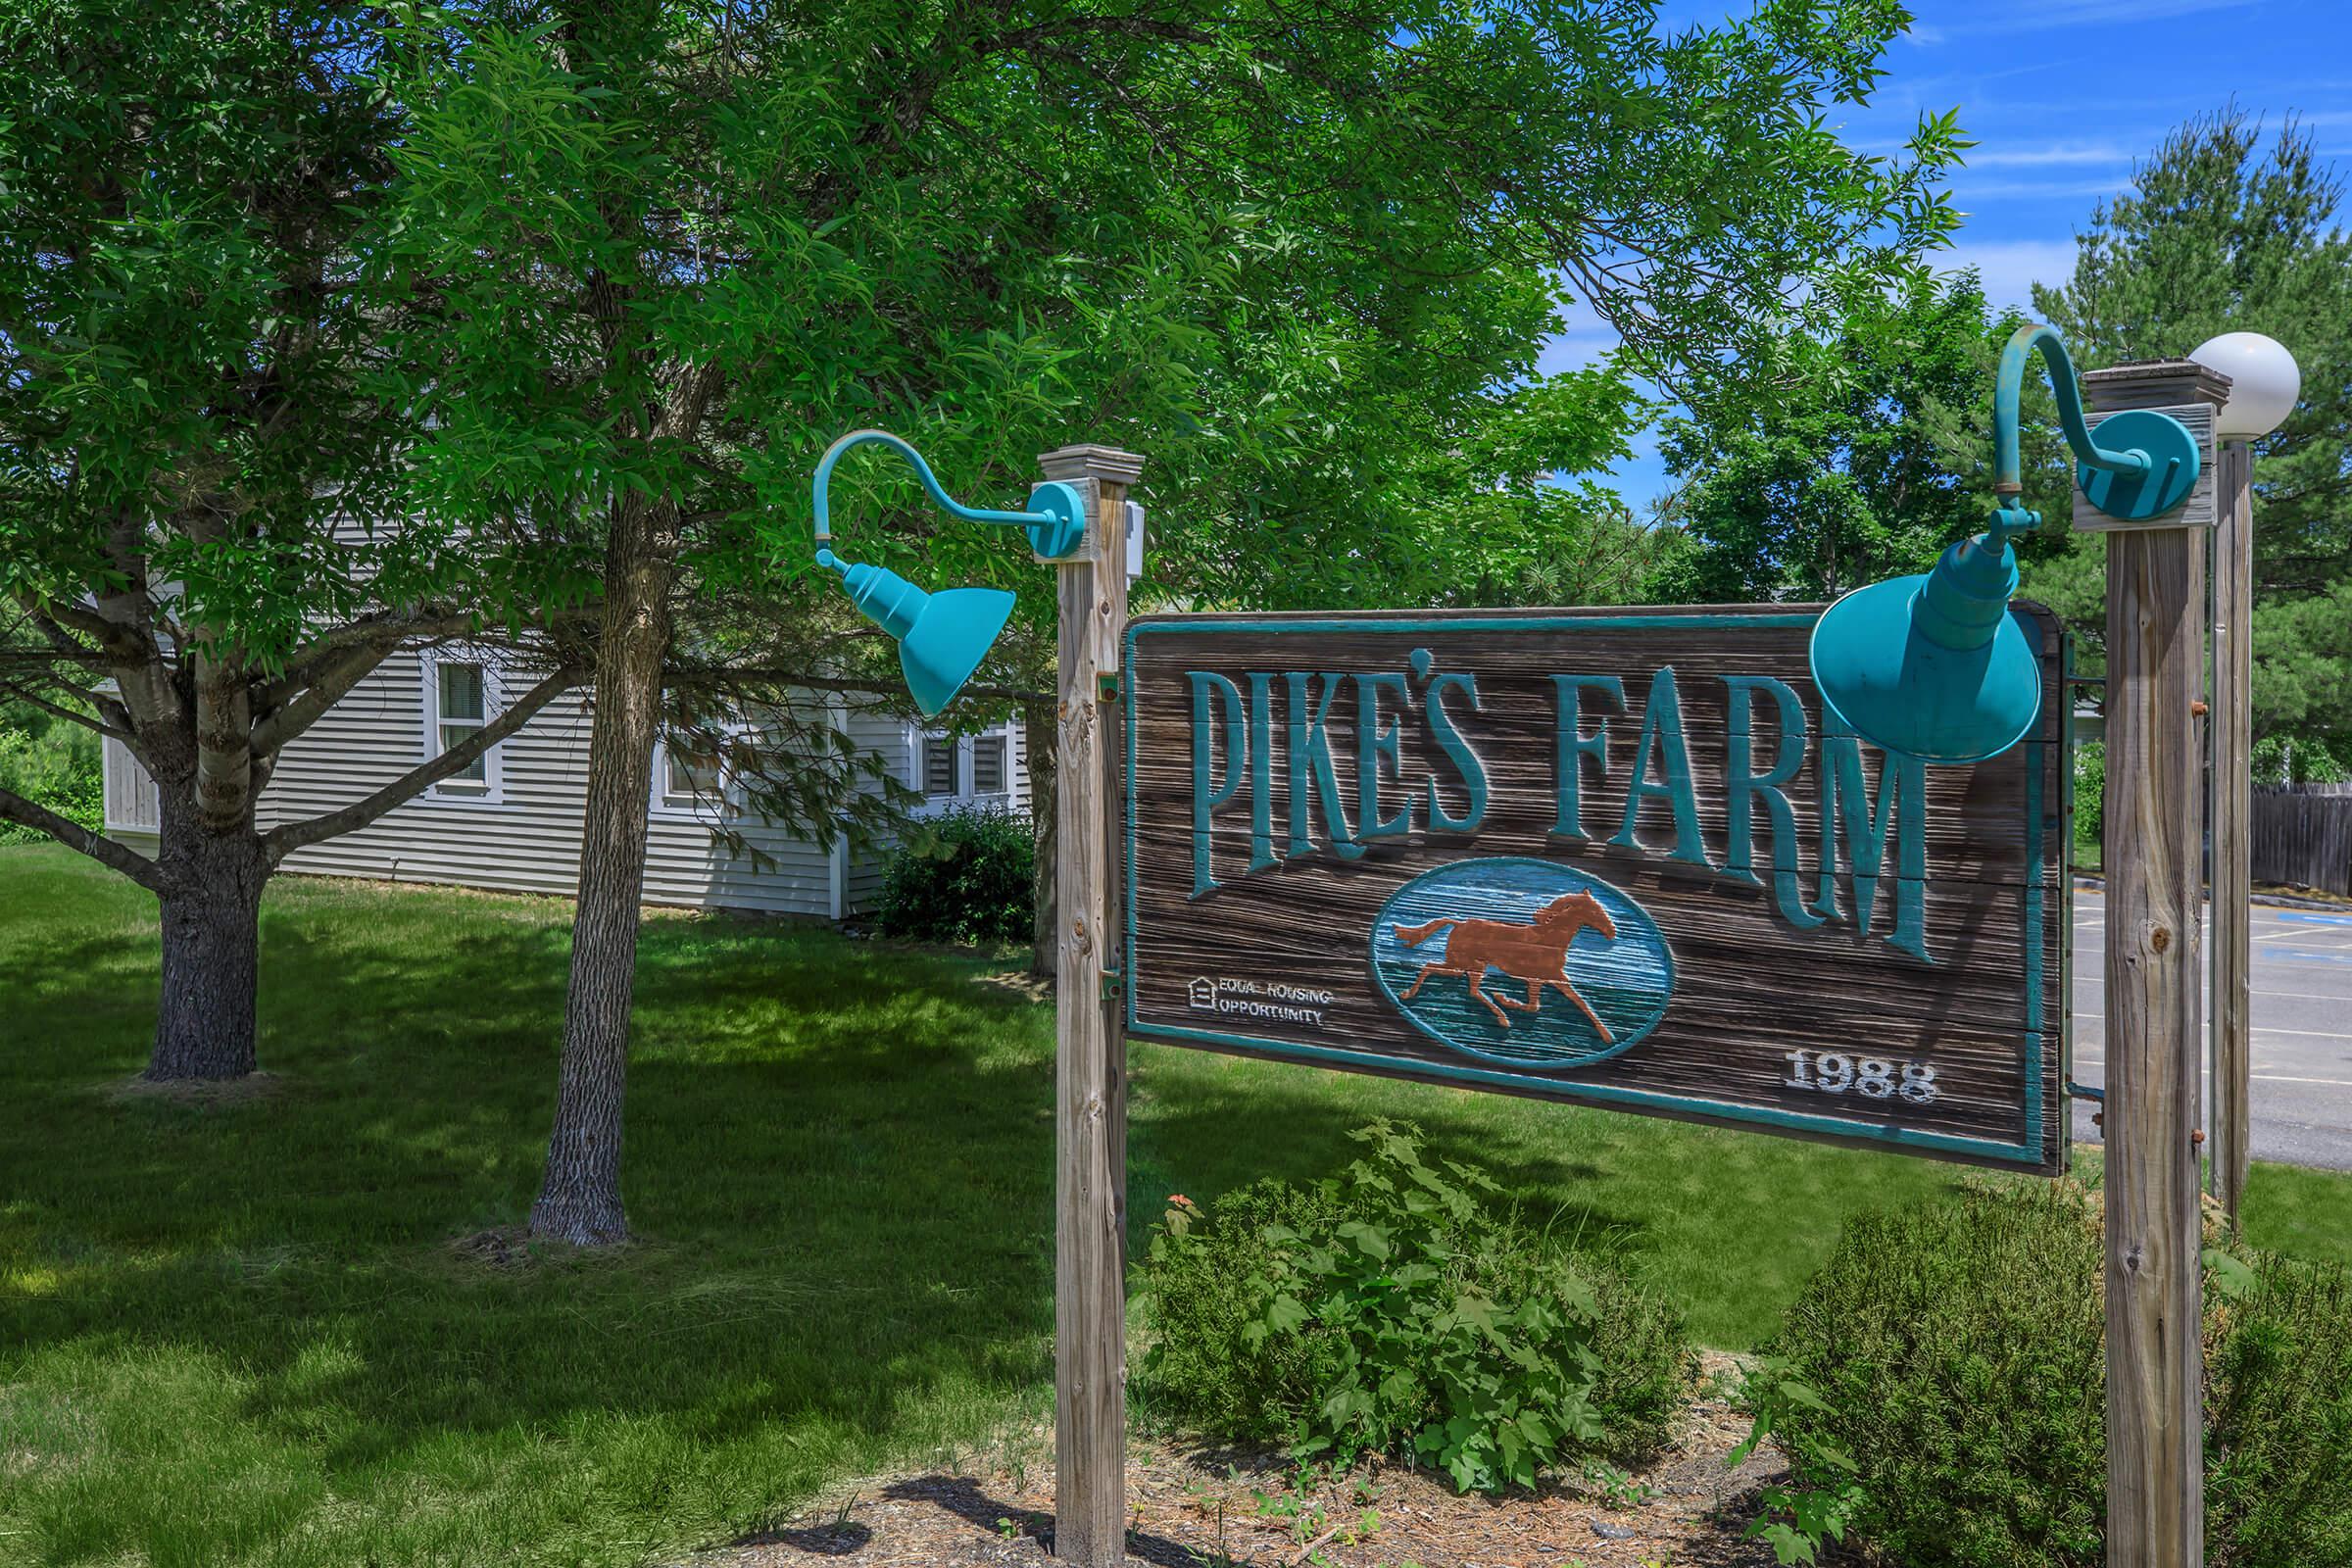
942	636
1933	666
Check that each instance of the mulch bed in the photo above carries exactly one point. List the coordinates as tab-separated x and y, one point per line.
1196	1508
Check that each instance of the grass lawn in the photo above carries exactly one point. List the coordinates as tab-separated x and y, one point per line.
247	1333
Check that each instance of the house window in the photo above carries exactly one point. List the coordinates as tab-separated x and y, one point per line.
692	775
950	768
689	777
987	763
461	707
943	773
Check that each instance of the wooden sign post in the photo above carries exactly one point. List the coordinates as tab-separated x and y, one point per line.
2232	796
1636	858
1090	1117
2263	386
2155	670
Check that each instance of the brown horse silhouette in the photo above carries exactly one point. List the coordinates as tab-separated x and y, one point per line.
1535	953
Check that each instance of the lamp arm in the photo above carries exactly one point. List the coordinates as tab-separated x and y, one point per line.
923	471
2006	390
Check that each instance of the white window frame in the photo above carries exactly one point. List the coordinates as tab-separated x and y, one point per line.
492	790
728	801
964	797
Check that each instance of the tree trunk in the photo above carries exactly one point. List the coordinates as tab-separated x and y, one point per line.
212	907
1038	726
579	1201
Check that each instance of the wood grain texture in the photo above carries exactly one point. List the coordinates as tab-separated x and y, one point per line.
2154	384
2199	510
2232	741
1986	1010
1089	1353
2155	652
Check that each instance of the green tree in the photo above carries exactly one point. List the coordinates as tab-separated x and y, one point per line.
52	762
1302	253
2224	234
1845	475
205	537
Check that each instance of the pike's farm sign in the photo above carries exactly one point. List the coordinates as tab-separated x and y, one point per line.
1618	858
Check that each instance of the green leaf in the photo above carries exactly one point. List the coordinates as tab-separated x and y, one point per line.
2230	1277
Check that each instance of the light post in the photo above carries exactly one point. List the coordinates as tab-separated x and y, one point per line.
1077	523
2264	384
1918	670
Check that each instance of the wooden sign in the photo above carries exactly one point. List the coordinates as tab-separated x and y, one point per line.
1615	856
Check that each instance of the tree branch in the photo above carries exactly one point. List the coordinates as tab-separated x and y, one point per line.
284	841
62	648
857	688
386	629
15	808
25	694
328	686
115	642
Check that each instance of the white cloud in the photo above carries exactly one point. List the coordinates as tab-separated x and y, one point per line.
1969	192
2049	155
2040	16
2010	267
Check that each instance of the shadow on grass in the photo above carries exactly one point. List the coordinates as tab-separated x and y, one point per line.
246	1332
840	1157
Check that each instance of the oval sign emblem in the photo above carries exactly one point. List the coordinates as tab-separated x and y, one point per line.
1524	961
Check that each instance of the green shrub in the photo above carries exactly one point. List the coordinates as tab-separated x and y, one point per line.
56	766
2280	760
1399	1309
2278	1419
1958	1351
970	877
2090	790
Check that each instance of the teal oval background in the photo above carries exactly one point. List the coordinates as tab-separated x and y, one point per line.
1627	980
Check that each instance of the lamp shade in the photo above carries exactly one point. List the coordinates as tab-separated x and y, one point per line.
2264	383
1933	666
950	637
942	636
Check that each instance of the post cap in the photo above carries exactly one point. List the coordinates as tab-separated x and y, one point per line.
1086	460
2154	384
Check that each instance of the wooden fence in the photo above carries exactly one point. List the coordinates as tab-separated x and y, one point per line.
2303	837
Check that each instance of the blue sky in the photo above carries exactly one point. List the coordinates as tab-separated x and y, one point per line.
2061	96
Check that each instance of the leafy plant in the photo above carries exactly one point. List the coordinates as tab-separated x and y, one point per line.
1955	1354
56	767
2277	1414
2280	760
2090	790
1401	1309
971	878
1618	1488
1819	1501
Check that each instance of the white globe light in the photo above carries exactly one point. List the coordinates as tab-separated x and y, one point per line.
2264	383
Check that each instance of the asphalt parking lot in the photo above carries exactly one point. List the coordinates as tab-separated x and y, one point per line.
2302	1077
